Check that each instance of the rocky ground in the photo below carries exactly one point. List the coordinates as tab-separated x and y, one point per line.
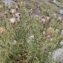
47	4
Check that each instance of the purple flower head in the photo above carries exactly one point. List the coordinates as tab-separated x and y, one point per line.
16	7
44	48
48	36
18	19
6	13
43	20
59	18
9	7
54	14
17	15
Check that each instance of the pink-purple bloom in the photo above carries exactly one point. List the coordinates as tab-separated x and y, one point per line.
9	7
16	7
18	19
43	20
59	18
44	48
6	13
54	14
48	36
17	15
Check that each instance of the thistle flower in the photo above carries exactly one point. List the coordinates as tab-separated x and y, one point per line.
44	48
50	30
1	30
9	7
17	15
6	13
48	36
12	20
54	14
18	19
59	18
43	20
17	7
13	11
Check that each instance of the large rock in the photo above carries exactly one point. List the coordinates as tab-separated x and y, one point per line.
7	2
58	55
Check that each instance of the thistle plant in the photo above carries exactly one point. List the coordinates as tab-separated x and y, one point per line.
26	38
